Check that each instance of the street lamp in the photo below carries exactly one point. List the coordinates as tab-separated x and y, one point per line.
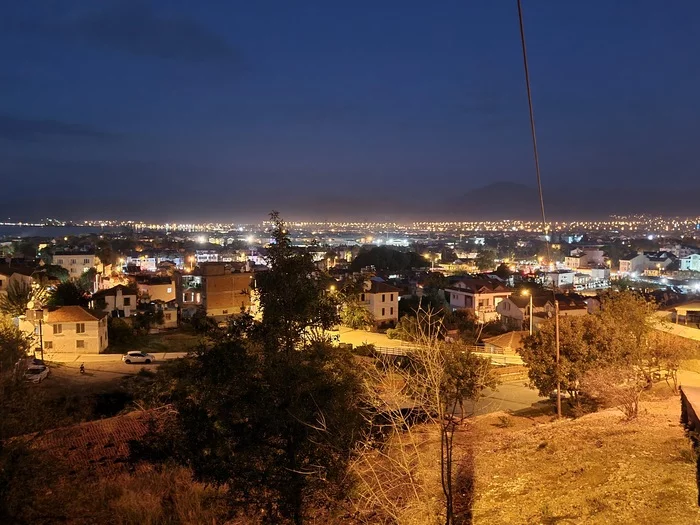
527	292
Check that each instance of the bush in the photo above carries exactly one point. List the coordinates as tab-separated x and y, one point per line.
367	350
120	331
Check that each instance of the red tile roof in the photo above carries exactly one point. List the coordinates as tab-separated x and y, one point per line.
72	314
102	446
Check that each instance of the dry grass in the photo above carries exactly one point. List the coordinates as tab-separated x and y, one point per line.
594	470
158	497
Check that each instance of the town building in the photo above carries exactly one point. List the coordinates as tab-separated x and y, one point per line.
508	343
560	279
11	274
514	310
156	288
480	296
224	293
382	300
691	263
73	329
77	262
118	301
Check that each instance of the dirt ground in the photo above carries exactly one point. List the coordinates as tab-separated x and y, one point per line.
597	469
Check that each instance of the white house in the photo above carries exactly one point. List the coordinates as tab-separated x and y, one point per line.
382	300
119	301
633	263
10	274
77	262
560	278
74	329
691	263
481	296
515	309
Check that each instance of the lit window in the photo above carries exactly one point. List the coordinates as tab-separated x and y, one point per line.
170	290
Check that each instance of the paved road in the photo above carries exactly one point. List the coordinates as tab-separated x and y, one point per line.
104	358
507	397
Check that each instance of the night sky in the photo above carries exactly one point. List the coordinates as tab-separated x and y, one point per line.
181	110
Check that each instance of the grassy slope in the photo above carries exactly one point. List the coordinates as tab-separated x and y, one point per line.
593	470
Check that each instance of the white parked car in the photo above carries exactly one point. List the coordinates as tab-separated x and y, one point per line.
138	357
37	373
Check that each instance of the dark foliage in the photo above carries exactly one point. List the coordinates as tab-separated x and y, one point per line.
386	259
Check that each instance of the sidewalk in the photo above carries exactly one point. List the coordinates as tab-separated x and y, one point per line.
61	357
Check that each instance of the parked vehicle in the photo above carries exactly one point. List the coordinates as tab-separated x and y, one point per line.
37	373
136	356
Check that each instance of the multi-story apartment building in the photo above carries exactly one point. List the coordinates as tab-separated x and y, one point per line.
382	300
480	296
77	262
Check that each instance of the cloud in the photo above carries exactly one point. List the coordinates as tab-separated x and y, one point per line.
15	128
133	27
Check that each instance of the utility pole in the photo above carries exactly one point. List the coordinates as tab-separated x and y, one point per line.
556	330
530	313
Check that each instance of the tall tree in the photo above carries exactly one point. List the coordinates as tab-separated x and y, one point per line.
68	294
294	295
266	409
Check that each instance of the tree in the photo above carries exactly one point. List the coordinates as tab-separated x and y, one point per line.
68	294
14	345
293	294
431	387
503	271
386	259
18	297
485	259
353	312
582	345
267	408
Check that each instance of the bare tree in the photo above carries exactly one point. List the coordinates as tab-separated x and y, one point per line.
417	400
618	386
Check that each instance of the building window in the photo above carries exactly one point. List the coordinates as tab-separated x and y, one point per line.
57	329
72	261
86	261
80	343
362	297
168	316
383	297
391	297
225	312
170	290
79	328
48	345
0	282
127	301
59	261
382	311
72	270
391	311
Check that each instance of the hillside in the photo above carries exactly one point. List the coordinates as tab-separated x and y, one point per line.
593	470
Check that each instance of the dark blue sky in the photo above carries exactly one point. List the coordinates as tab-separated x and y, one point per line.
181	110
